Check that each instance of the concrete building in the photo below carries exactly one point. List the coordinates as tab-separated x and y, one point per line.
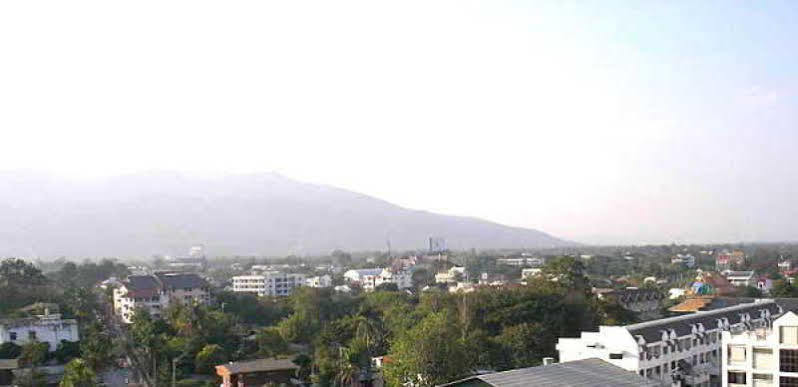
156	292
762	353
321	281
402	279
269	283
451	275
521	261
682	350
366	278
47	328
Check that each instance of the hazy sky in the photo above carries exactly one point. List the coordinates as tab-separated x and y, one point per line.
628	121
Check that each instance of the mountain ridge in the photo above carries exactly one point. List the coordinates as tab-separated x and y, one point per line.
254	214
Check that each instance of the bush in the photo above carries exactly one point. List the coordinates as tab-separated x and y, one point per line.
67	351
10	350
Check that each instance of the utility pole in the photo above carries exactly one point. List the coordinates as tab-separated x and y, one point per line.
174	368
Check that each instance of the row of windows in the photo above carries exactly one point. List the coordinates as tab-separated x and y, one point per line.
741	378
701	358
31	335
681	345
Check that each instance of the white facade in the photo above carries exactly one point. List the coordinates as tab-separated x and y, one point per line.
366	278
47	328
273	283
451	275
322	281
530	272
520	262
754	358
402	279
154	293
125	304
690	357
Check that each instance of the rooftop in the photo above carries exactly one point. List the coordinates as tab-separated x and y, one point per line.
260	365
580	373
651	331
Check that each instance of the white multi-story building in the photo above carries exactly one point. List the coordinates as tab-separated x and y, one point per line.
155	292
521	262
680	351
402	279
268	283
451	275
321	281
764	356
48	328
366	278
369	279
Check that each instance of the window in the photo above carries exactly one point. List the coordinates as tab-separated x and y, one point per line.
616	356
13	336
762	379
789	360
789	335
763	358
737	378
788	381
736	354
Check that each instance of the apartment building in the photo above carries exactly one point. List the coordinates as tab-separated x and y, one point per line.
369	279
320	281
47	328
764	356
269	283
682	350
156	292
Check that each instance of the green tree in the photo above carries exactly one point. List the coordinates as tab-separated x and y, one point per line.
77	373
33	355
209	357
431	353
271	343
96	347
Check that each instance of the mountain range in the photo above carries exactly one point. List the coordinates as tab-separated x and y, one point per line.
144	214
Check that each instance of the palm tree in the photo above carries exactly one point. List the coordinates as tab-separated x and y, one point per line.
77	374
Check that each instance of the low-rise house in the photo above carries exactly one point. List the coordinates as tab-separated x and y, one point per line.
268	283
321	281
646	302
785	265
741	278
682	350
47	328
156	292
259	372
